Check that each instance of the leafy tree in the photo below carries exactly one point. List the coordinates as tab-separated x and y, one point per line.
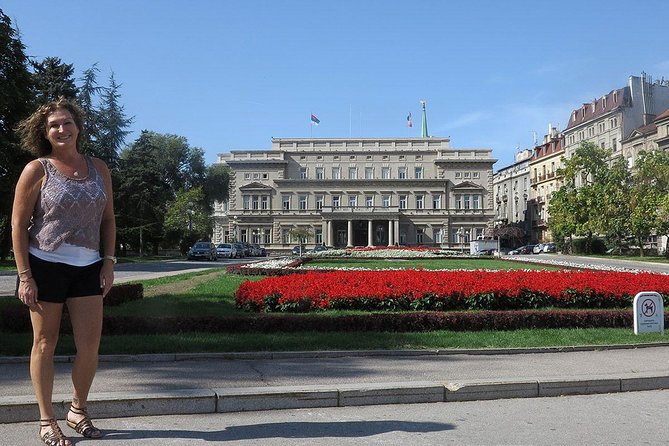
650	196
141	196
156	169
217	183
188	219
512	234
52	78
16	103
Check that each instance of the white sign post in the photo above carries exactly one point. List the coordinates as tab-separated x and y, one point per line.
648	313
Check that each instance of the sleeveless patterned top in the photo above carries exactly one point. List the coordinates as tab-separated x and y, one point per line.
68	210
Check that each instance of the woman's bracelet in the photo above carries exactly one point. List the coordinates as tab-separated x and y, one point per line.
26	279
24	271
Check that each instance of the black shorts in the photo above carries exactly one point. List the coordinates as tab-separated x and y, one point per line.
57	282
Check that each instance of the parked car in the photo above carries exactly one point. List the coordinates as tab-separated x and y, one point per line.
527	249
202	251
226	250
239	248
248	249
485	252
538	249
298	250
549	247
318	248
259	250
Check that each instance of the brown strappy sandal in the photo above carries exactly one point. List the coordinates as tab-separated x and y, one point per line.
85	426
54	436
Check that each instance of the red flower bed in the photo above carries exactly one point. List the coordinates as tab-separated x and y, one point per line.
447	290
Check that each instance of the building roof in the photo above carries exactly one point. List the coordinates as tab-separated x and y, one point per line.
663	115
598	107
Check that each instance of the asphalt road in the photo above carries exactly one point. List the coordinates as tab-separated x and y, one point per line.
605	419
125	272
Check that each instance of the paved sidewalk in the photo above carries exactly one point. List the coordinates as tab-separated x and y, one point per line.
208	383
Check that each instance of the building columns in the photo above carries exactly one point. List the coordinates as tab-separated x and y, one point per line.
349	240
391	233
370	234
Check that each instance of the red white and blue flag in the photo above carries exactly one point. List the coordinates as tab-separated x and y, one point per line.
409	121
315	120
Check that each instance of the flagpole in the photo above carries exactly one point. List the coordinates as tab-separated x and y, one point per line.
311	126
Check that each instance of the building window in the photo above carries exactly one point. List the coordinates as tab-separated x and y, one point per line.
468	175
303	158
385	173
286	202
420	201
256	176
438	237
264	202
318	236
475	202
401	173
476	174
265	176
246	202
402	157
335	158
368	157
336	201
458	174
319	201
352	173
386	201
303	173
255	204
385	158
403	201
467	201
285	236
336	173
614	144
319	157
458	201
352	201
418	172
247	176
419	235
419	157
369	201
352	157
244	235
319	173
369	173
303	202
455	236
436	201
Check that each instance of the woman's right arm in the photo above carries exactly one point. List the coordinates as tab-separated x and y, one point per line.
25	196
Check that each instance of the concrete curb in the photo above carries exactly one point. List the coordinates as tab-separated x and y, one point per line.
194	401
171	357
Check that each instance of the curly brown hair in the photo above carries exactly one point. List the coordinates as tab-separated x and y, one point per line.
32	130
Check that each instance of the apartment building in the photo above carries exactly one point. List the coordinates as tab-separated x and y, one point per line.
357	192
511	186
544	180
613	117
650	137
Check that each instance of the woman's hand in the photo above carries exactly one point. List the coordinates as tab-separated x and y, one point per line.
28	292
106	276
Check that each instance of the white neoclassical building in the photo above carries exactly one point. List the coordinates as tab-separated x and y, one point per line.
357	192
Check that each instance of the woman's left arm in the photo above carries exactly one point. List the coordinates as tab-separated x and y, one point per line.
107	231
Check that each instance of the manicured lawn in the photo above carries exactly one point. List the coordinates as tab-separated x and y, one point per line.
446	263
19	344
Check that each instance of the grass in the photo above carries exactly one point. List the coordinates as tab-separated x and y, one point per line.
212	294
454	263
19	344
651	259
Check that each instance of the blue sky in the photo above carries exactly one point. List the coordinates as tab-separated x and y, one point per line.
231	75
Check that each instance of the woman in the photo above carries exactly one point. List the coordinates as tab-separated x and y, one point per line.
63	215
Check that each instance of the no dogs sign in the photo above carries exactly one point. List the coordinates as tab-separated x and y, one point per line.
648	313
